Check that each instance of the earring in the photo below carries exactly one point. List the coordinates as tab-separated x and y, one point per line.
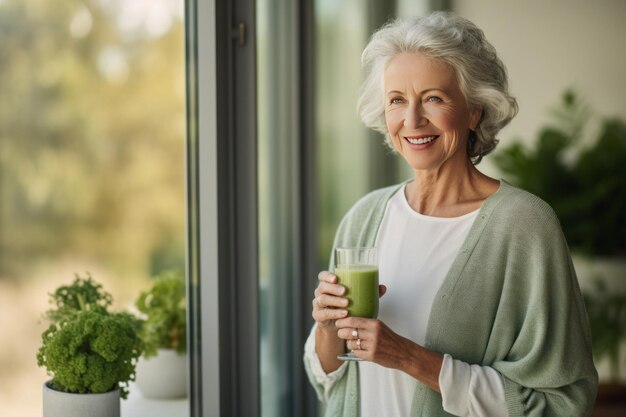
473	137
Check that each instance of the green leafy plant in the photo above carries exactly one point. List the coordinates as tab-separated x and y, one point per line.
86	348
607	317
164	307
588	191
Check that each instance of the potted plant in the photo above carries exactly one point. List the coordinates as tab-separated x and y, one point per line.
89	352
585	183
162	371
585	187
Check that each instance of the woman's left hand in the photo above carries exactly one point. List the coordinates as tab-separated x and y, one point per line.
381	345
378	343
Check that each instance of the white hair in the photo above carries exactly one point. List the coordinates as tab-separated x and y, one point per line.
457	42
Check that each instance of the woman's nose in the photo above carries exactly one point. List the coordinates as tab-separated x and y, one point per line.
415	117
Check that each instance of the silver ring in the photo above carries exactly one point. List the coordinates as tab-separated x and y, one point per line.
355	333
358	344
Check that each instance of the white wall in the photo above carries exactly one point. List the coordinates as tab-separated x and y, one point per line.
549	46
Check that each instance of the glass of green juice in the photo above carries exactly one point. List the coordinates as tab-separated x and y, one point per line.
357	270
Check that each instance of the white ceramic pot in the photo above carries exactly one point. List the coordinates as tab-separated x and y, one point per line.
163	376
64	404
612	271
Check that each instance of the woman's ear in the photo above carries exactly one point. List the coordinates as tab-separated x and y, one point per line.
476	114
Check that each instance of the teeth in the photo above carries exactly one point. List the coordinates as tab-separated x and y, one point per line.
421	141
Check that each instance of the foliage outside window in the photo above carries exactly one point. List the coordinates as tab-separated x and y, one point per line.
91	135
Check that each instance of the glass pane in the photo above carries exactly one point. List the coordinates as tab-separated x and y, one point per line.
92	134
277	258
351	161
351	158
341	138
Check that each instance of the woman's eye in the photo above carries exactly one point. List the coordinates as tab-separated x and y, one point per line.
434	99
396	100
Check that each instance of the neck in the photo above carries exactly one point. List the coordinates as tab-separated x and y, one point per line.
449	193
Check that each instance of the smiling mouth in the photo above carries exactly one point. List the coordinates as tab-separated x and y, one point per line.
421	141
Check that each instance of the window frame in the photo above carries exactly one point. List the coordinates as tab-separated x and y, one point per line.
222	180
222	255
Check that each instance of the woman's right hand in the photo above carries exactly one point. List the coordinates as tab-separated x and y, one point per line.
328	304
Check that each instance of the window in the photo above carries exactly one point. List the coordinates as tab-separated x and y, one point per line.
92	153
255	214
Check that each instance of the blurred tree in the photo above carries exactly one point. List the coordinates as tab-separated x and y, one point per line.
92	125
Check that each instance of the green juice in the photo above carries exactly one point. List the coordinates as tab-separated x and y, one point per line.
361	282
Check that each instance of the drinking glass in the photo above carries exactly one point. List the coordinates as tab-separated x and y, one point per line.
357	270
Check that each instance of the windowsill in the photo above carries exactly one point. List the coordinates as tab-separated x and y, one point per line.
136	405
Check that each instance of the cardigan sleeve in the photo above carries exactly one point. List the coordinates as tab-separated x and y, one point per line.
322	382
340	398
548	369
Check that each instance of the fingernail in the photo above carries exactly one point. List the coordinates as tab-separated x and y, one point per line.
344	302
341	290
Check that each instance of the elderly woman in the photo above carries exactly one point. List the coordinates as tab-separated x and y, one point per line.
481	314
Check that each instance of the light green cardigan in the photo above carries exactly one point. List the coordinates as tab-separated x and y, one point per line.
510	300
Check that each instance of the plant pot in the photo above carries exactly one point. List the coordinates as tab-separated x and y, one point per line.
64	404
163	376
610	270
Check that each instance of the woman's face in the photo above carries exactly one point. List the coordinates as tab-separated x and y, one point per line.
427	116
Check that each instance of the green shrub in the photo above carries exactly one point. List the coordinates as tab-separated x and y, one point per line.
86	348
588	191
164	307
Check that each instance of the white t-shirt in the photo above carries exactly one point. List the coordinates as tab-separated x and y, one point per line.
415	253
